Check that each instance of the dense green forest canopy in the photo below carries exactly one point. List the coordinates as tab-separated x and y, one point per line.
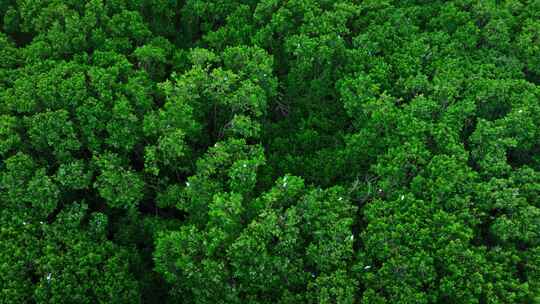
270	151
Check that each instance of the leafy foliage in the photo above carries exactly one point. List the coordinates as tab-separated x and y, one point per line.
303	151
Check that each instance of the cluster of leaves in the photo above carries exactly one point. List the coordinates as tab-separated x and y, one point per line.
301	151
